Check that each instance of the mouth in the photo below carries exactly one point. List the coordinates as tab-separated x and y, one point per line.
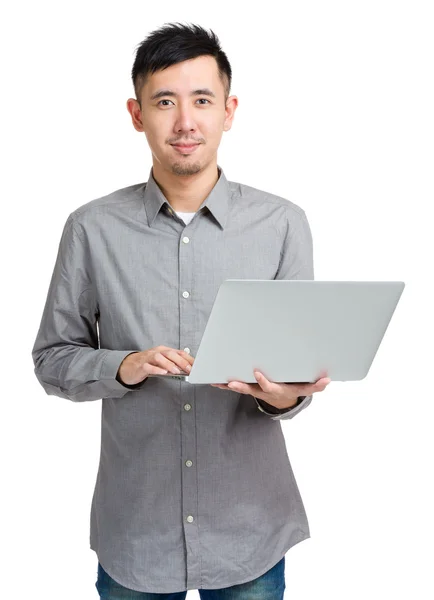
185	148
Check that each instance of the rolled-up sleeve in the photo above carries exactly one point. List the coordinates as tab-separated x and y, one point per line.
296	262
66	355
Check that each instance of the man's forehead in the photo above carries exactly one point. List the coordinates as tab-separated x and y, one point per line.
203	73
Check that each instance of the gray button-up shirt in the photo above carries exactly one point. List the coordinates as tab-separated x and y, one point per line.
194	486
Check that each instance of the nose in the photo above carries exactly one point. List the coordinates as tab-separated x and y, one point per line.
184	121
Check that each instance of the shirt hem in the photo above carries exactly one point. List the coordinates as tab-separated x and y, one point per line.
305	536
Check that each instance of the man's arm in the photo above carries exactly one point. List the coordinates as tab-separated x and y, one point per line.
66	354
296	262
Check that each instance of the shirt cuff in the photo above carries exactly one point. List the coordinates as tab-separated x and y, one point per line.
268	409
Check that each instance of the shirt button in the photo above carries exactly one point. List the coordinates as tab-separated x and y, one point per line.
190	519
185	240
187	350
188	463
185	294
187	406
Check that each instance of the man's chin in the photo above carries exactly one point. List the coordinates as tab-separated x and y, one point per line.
186	168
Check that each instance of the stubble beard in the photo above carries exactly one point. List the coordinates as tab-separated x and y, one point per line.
179	168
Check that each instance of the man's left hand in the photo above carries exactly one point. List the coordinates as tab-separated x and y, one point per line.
280	395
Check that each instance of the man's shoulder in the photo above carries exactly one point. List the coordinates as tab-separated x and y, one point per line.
248	193
120	197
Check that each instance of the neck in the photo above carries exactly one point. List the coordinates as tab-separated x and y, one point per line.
187	192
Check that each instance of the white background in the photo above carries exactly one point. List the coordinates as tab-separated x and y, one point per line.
336	114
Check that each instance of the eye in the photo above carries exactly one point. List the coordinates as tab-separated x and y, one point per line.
171	101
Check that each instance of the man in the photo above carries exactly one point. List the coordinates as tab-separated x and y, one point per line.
194	488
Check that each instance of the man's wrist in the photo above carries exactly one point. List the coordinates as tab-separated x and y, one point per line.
133	386
295	403
274	410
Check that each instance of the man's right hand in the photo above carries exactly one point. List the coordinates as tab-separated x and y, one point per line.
157	361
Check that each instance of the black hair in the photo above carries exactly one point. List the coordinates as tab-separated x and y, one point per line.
173	43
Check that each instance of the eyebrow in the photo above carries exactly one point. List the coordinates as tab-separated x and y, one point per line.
200	92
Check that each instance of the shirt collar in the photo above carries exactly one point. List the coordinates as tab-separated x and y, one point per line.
217	201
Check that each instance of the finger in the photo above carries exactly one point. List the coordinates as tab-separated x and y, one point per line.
165	363
322	383
153	370
266	386
187	356
241	387
183	360
312	388
181	363
235	386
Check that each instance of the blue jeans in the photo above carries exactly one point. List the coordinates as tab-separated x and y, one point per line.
269	586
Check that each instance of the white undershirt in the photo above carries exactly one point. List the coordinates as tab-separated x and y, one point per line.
185	216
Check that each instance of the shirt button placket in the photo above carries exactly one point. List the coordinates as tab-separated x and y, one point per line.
188	425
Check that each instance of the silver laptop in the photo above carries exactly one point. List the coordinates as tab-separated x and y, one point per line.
293	330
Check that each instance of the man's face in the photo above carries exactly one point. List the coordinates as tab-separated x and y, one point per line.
179	117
